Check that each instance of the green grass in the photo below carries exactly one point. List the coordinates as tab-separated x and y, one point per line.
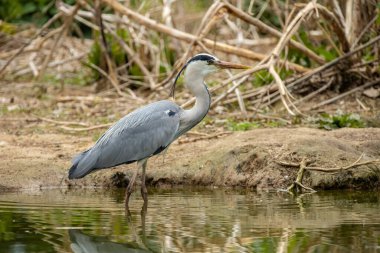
80	78
340	120
241	126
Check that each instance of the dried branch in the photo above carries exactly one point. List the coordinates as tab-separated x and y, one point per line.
51	64
201	138
86	128
232	89
265	28
105	50
313	94
289	31
362	87
133	57
142	28
63	30
332	170
41	31
297	185
364	31
336	25
339	169
65	123
209	19
152	24
335	61
103	73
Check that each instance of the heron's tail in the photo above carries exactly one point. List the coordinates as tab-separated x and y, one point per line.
83	164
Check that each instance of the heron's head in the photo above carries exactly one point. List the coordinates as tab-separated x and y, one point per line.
203	64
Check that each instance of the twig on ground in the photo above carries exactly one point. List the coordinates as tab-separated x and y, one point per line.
50	65
313	94
366	85
86	128
65	123
297	184
65	99
207	137
350	166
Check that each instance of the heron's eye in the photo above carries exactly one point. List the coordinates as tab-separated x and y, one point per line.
209	62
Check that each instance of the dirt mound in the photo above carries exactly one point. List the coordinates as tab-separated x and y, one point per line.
247	159
251	158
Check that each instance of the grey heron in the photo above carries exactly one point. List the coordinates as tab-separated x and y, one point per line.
149	130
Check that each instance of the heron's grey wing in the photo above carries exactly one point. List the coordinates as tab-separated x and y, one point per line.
140	134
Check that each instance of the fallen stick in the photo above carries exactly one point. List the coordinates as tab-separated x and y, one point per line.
65	123
86	128
297	184
50	65
207	137
350	166
41	31
366	85
313	94
65	99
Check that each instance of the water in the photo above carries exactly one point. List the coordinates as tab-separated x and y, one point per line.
189	220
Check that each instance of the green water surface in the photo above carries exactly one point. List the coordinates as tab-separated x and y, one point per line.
189	220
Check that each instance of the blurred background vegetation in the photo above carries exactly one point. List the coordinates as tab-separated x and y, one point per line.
37	12
78	54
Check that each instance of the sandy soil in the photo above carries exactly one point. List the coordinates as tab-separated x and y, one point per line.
247	159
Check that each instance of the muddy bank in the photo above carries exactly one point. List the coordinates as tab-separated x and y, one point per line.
246	159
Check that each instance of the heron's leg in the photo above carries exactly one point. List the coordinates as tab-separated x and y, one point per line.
129	190
144	191
143	216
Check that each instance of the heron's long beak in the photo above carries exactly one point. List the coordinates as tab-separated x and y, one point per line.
230	65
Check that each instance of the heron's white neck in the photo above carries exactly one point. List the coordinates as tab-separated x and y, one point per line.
197	87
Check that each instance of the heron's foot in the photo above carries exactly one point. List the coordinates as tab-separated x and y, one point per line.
144	193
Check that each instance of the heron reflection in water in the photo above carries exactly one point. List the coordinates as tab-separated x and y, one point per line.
85	243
